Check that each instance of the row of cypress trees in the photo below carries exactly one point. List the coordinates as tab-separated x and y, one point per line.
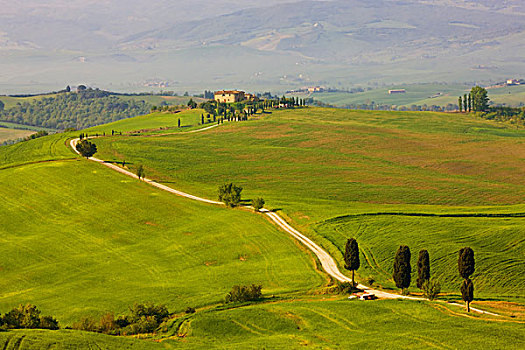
402	273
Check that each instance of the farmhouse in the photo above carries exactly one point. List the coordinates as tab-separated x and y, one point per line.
397	91
229	96
513	82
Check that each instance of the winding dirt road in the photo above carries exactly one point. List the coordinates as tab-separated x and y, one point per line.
327	262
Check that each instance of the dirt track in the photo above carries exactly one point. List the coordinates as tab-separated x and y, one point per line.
327	262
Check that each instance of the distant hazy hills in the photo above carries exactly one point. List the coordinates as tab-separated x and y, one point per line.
262	45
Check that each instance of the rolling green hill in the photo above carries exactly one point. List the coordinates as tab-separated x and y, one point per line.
318	164
80	239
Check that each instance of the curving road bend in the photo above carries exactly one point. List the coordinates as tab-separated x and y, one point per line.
327	262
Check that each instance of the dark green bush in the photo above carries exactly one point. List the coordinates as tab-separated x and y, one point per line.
244	293
28	316
258	203
230	194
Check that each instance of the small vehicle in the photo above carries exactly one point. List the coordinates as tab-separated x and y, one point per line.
368	296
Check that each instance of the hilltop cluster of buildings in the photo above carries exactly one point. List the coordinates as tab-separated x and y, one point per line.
232	96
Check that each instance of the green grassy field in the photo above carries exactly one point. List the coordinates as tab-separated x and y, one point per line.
310	323
318	164
420	94
78	239
152	122
7	134
497	242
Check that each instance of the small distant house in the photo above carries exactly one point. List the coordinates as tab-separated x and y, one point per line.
229	96
396	91
315	89
513	82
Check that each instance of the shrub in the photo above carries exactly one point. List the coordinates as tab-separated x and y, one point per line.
370	281
244	293
230	194
107	324
431	289
258	203
88	324
159	312
190	310
344	288
28	316
145	324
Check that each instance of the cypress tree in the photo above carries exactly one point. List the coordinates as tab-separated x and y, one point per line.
460	104
466	267
402	268
470	102
465	103
467	292
178	123
423	268
352	262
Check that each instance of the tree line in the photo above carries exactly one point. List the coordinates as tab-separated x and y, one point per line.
78	110
402	270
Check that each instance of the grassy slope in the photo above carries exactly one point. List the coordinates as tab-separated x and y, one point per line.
188	118
319	163
112	264
13	134
77	239
314	323
48	148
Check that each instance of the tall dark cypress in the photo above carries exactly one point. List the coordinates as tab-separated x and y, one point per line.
423	268
466	267
402	268
352	262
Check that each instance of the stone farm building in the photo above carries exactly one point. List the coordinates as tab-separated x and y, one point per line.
232	96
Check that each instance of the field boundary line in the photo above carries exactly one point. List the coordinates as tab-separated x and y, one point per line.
327	261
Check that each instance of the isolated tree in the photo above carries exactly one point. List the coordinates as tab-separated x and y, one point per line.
480	100
178	123
192	104
423	268
258	203
68	88
140	172
467	292
402	268
1	106
466	267
465	103
230	194
431	289
81	88
351	257
86	149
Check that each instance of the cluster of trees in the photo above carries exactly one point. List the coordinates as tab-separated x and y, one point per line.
74	110
230	194
143	318
168	108
475	101
85	148
244	293
402	271
27	317
511	115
